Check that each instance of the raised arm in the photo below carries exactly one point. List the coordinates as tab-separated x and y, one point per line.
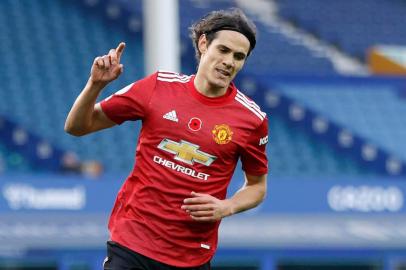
85	115
204	207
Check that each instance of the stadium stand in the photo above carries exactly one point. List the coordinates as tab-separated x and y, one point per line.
316	159
353	26
34	149
373	111
363	117
284	56
45	72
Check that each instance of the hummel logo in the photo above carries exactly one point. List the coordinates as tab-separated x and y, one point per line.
171	116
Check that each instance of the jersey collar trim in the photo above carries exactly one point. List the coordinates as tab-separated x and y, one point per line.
213	101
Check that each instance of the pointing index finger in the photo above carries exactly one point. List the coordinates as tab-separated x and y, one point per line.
120	49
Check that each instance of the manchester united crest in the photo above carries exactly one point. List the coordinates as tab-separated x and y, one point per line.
222	134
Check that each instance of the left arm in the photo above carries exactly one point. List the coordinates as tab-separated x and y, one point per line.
204	207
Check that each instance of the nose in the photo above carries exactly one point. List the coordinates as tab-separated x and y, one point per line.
228	61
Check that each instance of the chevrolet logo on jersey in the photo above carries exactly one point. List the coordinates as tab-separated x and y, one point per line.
186	152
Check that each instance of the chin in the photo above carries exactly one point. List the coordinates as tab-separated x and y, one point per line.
220	83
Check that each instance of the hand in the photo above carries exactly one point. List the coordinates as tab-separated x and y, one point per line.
206	208
107	68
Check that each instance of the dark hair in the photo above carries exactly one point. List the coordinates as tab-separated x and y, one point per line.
233	19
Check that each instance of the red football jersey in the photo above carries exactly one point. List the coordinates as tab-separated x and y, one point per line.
188	142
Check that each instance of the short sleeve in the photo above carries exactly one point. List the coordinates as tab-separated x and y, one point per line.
254	158
131	102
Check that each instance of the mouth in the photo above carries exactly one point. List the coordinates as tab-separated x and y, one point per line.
223	72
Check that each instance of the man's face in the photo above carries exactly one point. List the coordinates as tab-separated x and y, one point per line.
223	58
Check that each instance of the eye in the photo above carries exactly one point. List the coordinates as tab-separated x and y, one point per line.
239	56
223	50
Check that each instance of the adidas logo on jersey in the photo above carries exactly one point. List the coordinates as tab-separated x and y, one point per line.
171	116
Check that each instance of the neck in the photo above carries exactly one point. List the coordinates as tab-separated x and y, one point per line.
204	87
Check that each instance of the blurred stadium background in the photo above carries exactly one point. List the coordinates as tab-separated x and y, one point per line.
330	74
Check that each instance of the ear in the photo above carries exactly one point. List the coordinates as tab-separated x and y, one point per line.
202	44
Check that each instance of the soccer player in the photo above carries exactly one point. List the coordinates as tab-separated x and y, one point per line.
194	130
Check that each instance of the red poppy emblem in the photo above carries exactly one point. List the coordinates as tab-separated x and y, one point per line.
195	124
